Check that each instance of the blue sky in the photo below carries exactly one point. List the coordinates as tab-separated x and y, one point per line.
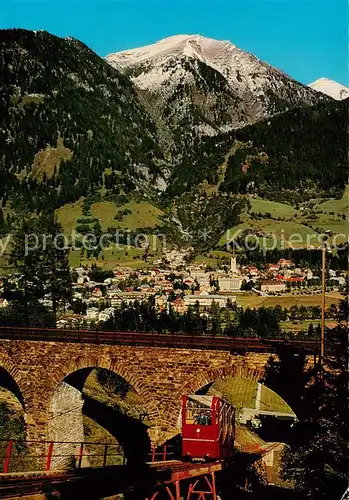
307	39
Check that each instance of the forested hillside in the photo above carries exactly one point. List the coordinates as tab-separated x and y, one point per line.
302	150
69	122
307	146
73	125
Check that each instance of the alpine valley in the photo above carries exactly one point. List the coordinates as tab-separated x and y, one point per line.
188	125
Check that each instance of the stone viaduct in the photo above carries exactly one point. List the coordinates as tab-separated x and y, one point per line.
42	373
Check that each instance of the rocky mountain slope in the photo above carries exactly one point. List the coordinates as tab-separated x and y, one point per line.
331	88
201	86
69	123
73	125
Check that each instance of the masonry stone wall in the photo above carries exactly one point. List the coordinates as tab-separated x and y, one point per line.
65	424
159	375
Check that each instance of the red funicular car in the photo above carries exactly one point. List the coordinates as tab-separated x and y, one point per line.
208	428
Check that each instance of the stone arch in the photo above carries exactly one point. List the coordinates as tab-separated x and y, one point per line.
20	389
112	364
202	379
67	404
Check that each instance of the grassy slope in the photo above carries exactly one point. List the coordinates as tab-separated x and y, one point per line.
338	206
68	215
238	391
295	221
243	392
146	215
112	257
143	215
270	401
282	230
286	300
331	216
274	208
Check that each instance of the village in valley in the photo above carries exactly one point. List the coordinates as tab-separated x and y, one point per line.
172	285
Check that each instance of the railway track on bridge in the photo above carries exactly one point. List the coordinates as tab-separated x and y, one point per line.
151	339
21	485
108	480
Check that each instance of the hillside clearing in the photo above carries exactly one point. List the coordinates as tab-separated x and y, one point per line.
340	206
274	208
270	233
143	214
286	301
68	216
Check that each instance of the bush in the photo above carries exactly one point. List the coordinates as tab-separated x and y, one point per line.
87	220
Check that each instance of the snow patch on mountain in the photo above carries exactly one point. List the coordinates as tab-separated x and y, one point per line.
330	88
157	61
202	86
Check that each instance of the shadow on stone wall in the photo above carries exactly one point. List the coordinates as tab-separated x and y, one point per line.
129	432
68	407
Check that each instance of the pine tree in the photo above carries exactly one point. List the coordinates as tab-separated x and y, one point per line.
2	222
40	256
55	263
25	261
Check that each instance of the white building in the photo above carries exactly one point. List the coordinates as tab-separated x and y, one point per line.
3	303
273	286
310	274
198	273
204	282
233	265
92	313
229	284
116	299
82	279
205	299
106	314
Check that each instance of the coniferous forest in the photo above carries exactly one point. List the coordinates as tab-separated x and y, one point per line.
71	124
59	98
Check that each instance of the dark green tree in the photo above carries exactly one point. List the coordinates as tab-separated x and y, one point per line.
55	262
39	254
18	314
317	461
2	222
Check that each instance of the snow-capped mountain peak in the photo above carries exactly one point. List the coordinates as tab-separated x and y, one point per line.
189	45
205	86
330	88
221	55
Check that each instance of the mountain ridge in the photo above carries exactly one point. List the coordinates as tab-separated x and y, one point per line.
58	91
209	85
75	127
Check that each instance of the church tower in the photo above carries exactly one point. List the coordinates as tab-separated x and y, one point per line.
233	265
